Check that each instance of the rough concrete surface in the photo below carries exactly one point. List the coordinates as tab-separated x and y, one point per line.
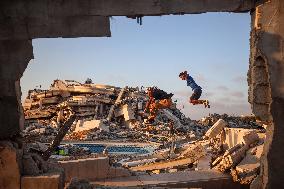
22	21
51	181
9	168
266	92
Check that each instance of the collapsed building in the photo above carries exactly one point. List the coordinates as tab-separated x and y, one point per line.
97	107
215	144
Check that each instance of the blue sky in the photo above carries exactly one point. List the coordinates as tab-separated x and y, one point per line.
213	47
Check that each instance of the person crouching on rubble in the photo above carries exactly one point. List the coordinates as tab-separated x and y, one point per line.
158	99
197	90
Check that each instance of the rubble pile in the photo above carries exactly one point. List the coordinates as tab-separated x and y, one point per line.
239	152
228	144
103	113
233	121
39	132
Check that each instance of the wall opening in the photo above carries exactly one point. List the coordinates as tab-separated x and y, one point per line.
154	54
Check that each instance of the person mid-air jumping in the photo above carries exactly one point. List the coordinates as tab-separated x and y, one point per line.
197	90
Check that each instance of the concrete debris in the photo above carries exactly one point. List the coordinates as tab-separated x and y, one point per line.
204	163
92	124
10	171
249	167
189	156
102	112
243	159
216	129
231	158
234	136
46	181
107	113
249	122
138	162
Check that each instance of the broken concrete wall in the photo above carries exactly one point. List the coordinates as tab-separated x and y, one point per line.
34	19
266	82
14	57
48	181
9	167
24	20
92	169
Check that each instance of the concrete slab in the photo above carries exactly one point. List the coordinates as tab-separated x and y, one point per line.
41	182
203	179
90	168
120	182
9	168
235	136
204	162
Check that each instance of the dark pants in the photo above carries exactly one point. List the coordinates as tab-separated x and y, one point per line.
196	94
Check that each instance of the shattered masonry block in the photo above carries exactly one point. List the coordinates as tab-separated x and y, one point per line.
90	168
161	154
216	128
204	162
249	167
230	158
232	149
234	136
41	182
217	160
138	162
88	125
128	112
125	110
194	151
9	168
250	137
234	158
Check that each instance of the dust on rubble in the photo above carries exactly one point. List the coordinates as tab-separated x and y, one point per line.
104	113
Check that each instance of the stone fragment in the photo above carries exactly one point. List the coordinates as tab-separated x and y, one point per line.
9	167
49	181
88	125
249	167
128	112
216	129
234	136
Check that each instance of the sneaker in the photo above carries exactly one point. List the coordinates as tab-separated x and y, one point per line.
206	104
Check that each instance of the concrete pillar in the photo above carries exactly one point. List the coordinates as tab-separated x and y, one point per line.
266	82
14	58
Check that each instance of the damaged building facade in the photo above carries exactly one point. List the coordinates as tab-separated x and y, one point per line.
22	21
